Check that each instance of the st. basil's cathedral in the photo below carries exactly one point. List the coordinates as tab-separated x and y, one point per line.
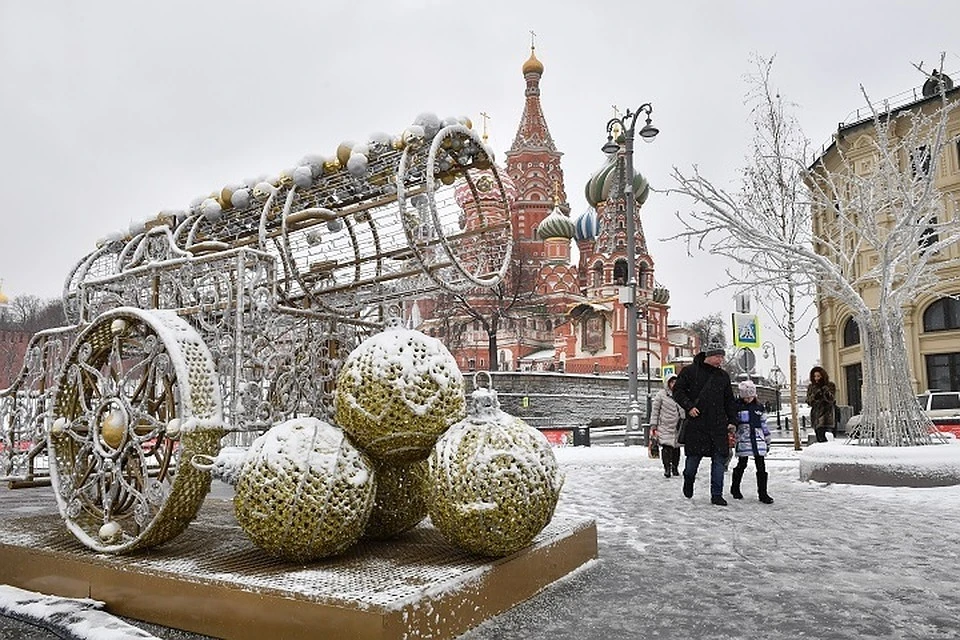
552	315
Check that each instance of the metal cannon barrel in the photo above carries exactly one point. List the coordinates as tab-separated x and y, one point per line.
384	221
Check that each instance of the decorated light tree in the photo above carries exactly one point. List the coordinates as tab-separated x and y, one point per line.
874	249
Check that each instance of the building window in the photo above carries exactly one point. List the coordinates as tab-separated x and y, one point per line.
943	371
920	161
929	235
942	315
851	332
597	274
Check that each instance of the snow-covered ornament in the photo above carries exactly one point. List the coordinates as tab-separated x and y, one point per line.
397	392
314	237
302	176
494	481
401	500
264	190
240	198
304	491
211	209
357	165
430	122
334	225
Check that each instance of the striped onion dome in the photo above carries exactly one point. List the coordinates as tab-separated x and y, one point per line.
600	183
555	225
586	227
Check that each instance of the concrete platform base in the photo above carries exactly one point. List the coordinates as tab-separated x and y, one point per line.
838	462
212	580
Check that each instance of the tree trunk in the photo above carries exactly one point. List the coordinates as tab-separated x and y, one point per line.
891	415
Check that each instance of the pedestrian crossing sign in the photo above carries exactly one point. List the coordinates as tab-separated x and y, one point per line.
669	370
746	330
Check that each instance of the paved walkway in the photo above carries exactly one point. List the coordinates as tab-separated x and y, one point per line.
826	562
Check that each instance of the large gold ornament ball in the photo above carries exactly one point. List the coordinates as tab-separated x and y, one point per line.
401	500
304	491
397	392
494	481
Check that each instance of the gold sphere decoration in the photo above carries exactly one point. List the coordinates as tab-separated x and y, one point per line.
343	153
494	481
113	427
397	392
304	491
401	500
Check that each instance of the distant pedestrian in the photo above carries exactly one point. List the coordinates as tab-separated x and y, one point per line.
822	398
665	417
753	439
703	391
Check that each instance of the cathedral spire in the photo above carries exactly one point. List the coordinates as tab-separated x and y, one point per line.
533	132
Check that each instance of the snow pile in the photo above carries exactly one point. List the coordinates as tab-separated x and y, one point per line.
72	618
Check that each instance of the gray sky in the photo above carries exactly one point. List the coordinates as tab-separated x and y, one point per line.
113	110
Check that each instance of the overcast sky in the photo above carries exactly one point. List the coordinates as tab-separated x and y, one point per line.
113	110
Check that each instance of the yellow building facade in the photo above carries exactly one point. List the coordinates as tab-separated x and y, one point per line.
931	322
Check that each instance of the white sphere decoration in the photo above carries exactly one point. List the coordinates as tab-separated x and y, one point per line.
304	491
494	481
357	165
59	425
110	532
240	198
118	326
302	176
173	428
210	209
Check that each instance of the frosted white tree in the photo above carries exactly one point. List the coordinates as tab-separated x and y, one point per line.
874	249
773	200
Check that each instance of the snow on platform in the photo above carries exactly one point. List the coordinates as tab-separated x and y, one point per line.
212	580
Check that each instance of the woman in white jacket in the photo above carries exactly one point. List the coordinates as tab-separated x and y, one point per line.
665	416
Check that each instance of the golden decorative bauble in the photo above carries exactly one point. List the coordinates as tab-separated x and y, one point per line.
304	491
113	427
494	481
397	392
401	500
344	149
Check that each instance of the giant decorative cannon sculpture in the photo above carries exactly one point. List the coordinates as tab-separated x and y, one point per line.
208	326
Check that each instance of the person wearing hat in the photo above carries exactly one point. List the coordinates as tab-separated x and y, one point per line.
753	439
665	416
704	391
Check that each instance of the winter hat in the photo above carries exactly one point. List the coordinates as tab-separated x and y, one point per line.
714	349
747	389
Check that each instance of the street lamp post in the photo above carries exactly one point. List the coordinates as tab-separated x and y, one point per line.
768	348
625	128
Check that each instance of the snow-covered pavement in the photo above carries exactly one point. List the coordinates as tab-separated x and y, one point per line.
824	561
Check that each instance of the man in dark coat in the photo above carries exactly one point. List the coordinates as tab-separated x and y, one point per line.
703	390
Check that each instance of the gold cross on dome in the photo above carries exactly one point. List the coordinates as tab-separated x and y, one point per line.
484	117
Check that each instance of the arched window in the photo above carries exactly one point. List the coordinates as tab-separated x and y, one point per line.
851	332
620	272
942	315
642	277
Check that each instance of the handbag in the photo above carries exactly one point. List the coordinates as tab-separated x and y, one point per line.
682	431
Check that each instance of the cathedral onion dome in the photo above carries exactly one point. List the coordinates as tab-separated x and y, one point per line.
586	226
486	188
532	65
603	181
3	298
555	225
661	295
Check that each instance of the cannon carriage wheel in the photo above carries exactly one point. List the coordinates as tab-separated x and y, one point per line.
138	397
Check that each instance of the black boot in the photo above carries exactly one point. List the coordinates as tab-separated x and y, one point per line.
735	485
718	500
762	488
688	485
665	457
676	461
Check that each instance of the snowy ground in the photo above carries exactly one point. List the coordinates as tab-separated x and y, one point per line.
824	561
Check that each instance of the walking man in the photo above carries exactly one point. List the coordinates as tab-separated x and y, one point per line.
703	390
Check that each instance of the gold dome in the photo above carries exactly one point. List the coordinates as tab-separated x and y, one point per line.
3	297
532	65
